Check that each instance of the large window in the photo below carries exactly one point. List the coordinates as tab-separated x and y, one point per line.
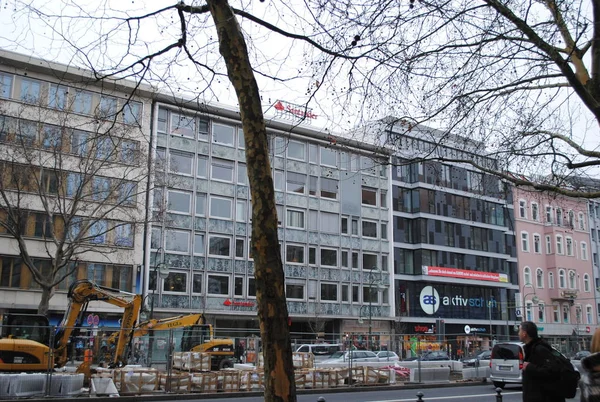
183	125
177	241
220	207
369	229
559	244
329	188
223	134
537	247
181	162
328	292
525	242
57	97
534	212
222	170
82	103
179	202
242	174
296	150
176	282
107	108
5	85
30	90
132	113
294	254
328	157
369	261
329	257
124	235
295	183
219	246
218	285
369	196
294	219
294	291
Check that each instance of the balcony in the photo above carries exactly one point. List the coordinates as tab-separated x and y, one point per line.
563	294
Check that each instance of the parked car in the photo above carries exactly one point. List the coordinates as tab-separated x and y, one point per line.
434	356
386	355
410	359
476	359
357	356
321	351
581	354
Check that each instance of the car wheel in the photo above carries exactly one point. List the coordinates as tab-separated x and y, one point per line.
498	384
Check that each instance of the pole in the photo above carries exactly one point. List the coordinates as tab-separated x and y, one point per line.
370	317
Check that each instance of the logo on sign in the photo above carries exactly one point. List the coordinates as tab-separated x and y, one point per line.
430	300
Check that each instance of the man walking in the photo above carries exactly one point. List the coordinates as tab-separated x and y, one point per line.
541	372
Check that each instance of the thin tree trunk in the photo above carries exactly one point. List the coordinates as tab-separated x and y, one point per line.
44	305
268	268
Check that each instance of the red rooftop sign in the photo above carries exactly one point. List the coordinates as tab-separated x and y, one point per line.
300	111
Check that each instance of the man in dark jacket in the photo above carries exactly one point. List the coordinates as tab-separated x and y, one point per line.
541	371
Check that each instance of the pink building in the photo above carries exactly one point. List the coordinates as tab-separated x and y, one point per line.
556	278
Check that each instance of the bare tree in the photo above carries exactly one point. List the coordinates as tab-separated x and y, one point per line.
76	192
519	78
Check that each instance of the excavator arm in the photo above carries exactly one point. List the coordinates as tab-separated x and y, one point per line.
80	294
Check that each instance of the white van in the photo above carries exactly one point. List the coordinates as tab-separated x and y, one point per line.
320	350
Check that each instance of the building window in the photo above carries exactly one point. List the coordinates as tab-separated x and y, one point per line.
537	246
203	129
242	174
201	169
222	170
199	244
328	157
240	211
329	257
5	85
128	151
296	150
100	188
294	291
527	276
588	315
220	207
197	283
312	185
369	261
548	214
525	242
200	204
548	244
369	196
30	90
241	140
132	113
529	311
177	241
559	216
181	162
556	313
541	312
295	182
57	97
329	188
294	219
569	243
572	280
534	212
294	254
539	278
551	280
584	251
223	134
219	246
183	125
566	313
522	209
124	235
97	232
329	292
559	244
581	221
218	285
369	229
175	282
240	248
354	227
82	103
562	279
571	219
312	255
179	202
586	283
107	108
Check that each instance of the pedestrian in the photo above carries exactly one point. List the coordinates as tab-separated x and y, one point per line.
541	370
590	376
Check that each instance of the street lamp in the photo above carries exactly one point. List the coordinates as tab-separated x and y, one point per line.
534	300
372	281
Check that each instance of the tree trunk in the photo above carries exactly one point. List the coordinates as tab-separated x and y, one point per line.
268	268
47	293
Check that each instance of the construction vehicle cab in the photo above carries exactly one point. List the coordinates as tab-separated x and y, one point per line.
200	338
25	342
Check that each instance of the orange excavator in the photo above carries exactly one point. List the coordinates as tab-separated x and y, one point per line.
27	344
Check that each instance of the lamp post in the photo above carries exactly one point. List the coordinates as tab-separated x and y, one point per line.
372	281
526	285
534	300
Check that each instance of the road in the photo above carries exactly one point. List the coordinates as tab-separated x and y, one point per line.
473	393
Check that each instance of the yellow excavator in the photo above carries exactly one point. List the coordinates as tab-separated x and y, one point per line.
27	344
197	337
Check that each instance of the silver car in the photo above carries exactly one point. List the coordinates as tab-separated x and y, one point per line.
357	356
506	363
